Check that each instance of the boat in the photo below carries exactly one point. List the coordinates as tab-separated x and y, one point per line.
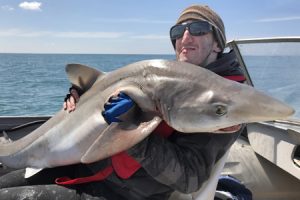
266	157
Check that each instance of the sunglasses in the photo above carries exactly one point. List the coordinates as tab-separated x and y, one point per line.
196	28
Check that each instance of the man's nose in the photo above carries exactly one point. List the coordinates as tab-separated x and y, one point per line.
186	36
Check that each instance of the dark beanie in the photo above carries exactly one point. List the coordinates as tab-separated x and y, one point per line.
203	12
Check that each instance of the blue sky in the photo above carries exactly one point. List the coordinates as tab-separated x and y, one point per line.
129	26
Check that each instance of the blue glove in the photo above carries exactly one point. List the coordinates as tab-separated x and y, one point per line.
117	106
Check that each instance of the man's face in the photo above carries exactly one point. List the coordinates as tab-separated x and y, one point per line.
198	50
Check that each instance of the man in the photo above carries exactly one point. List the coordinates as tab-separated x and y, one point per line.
164	162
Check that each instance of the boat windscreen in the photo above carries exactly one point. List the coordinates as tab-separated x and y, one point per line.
274	68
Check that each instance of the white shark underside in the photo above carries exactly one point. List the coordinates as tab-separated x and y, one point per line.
189	98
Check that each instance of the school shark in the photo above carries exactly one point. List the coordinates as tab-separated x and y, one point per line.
189	98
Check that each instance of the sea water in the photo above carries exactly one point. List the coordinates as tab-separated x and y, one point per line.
36	84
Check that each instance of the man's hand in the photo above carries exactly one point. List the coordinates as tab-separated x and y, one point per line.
71	99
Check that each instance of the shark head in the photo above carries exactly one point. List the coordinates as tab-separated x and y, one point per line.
207	106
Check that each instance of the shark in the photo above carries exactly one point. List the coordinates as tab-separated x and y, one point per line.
189	98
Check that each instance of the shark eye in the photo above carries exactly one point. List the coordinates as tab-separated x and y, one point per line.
220	109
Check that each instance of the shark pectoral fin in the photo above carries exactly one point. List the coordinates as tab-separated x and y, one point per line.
118	137
82	76
31	171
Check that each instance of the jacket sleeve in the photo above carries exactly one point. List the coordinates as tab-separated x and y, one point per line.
182	161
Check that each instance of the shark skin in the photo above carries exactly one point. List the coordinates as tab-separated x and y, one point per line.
188	98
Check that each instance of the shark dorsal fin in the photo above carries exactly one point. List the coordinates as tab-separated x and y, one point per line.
82	76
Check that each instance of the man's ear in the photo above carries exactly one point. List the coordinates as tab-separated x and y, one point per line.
216	47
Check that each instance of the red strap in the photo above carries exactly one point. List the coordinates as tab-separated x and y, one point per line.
124	165
101	175
236	78
163	129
